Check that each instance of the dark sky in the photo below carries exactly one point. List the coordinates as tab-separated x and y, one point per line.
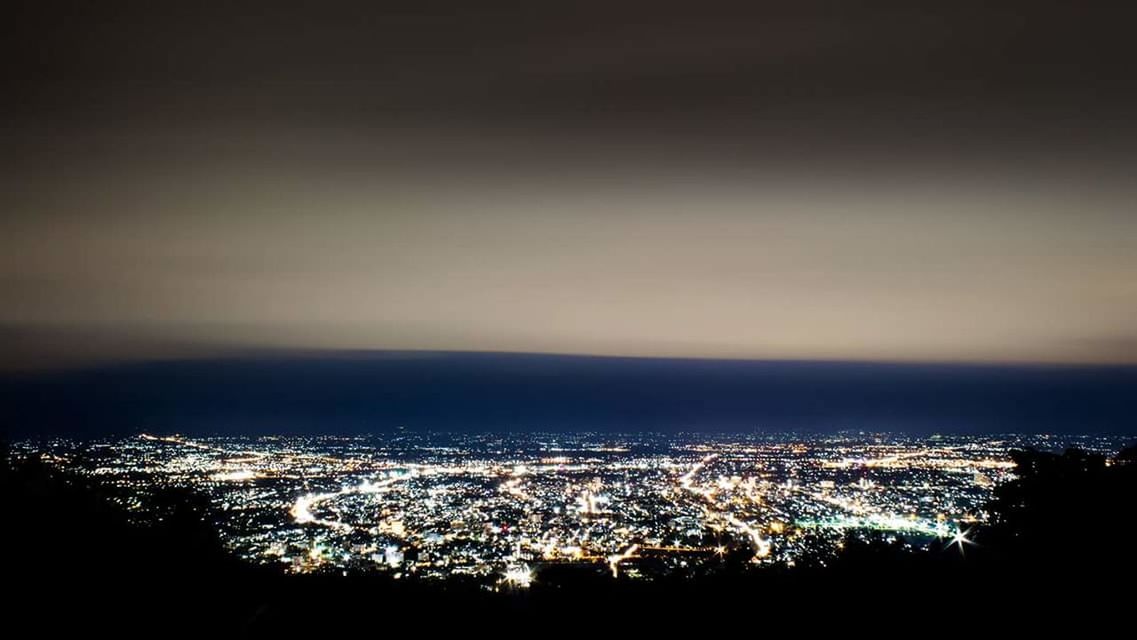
349	393
800	180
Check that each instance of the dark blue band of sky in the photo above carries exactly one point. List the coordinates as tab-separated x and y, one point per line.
521	392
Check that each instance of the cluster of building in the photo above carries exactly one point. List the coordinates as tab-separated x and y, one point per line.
500	509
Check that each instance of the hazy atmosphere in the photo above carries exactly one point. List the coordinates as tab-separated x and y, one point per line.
760	317
774	180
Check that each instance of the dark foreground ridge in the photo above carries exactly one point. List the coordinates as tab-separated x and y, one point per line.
1058	550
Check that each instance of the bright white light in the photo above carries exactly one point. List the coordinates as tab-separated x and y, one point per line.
234	476
521	576
960	538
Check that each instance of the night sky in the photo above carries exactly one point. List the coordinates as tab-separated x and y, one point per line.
266	191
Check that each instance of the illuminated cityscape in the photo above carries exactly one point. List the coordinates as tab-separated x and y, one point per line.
628	318
502	509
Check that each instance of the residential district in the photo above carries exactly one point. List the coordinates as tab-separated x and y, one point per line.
501	509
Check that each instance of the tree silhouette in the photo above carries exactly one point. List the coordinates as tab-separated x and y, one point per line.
1058	539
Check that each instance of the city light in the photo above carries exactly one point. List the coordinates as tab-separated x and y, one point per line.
521	576
960	540
501	509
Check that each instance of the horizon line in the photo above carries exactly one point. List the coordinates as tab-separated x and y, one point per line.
237	354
